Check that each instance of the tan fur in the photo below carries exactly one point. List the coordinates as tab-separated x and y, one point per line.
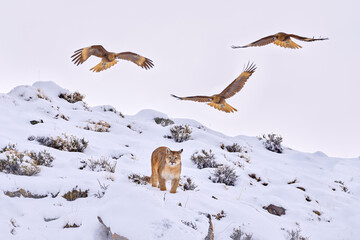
165	165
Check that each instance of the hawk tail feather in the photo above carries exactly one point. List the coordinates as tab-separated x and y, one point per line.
289	44
103	66
222	107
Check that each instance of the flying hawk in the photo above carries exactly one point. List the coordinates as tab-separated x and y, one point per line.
281	39
108	59
218	100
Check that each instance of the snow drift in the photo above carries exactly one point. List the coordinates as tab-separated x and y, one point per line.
320	194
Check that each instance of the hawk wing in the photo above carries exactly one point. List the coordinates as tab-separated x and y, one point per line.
305	39
135	58
239	82
83	54
195	98
103	66
261	42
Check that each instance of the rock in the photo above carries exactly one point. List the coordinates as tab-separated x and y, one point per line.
253	176
292	182
275	210
34	122
317	212
301	188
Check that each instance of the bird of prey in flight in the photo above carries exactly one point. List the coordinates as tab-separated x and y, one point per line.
108	59
218	100
281	39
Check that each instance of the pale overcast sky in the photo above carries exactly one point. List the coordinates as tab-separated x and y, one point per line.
310	96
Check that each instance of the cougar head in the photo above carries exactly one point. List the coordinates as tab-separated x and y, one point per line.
173	158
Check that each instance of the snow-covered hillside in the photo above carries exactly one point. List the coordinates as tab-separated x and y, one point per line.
320	193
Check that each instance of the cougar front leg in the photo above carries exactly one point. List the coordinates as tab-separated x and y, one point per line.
154	179
162	182
174	185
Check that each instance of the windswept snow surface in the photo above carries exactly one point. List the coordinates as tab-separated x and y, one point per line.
332	185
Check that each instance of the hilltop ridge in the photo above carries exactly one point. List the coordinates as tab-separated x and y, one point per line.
103	174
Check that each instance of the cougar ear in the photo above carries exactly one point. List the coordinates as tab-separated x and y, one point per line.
181	150
167	150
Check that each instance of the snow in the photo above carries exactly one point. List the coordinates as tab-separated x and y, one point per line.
143	212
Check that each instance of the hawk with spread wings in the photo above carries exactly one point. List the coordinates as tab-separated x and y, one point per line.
218	100
108	59
281	39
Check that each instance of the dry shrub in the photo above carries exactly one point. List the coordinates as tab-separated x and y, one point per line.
66	118
75	194
219	215
103	188
64	143
8	147
74	225
180	133
190	224
272	142
187	184
224	174
163	121
295	235
238	234
15	162
139	179
42	158
42	95
72	97
100	126
24	193
112	109
204	159
98	165
232	148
